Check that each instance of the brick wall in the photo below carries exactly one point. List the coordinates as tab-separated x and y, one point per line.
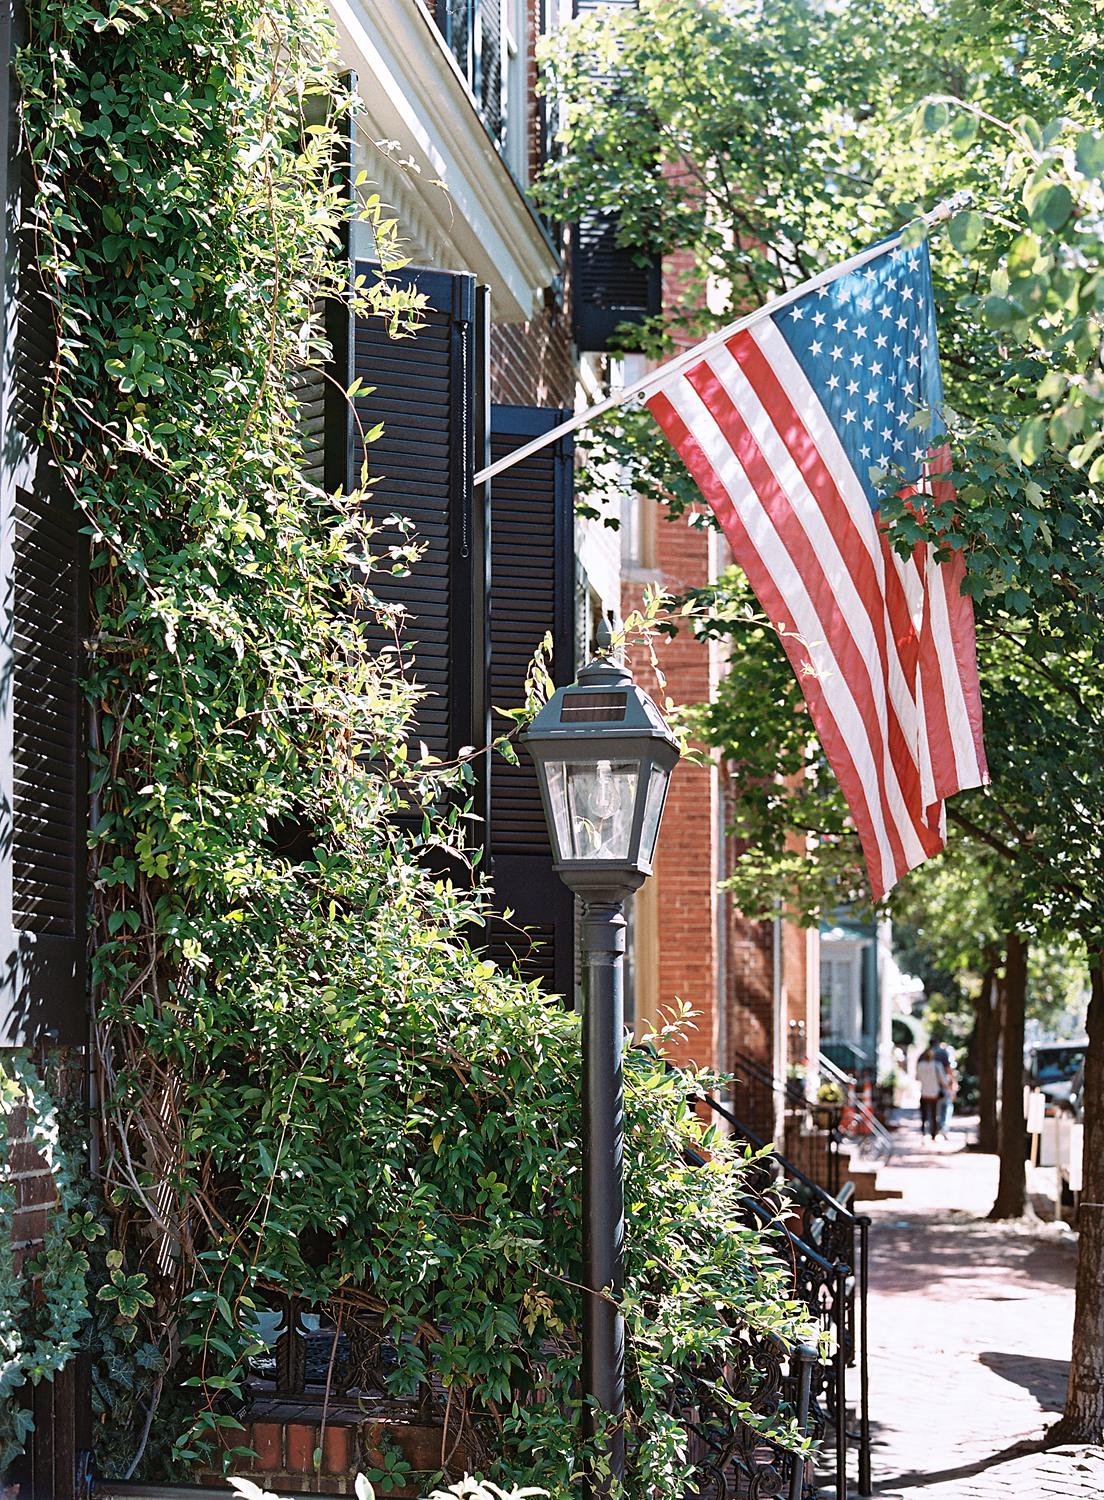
55	1453
749	1000
34	1186
531	363
686	900
35	1192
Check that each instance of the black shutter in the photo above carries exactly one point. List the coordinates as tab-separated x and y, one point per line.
614	288
43	839
427	390
532	593
455	22
472	30
489	65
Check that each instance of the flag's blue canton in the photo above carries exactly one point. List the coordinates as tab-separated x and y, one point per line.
866	342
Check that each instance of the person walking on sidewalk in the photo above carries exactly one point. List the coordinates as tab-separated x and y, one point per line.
935	1083
942	1054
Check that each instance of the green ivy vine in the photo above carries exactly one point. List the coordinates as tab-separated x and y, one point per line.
43	1303
310	1080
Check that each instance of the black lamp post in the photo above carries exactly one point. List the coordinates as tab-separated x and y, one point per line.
604	759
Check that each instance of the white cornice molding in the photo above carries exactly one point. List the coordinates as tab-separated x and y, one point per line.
414	95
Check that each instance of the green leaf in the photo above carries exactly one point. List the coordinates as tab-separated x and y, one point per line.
1090	155
1022	254
999	312
1030	129
1053	206
966	229
1029	441
964	129
936	116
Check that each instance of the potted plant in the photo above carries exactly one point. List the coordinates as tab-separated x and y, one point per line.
829	1102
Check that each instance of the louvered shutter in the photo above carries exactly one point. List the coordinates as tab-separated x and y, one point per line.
614	288
428	390
532	593
488	81
43	841
454	21
473	33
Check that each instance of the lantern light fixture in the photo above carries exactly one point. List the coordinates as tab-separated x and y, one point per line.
604	759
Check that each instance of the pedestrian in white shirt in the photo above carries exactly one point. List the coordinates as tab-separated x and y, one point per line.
935	1085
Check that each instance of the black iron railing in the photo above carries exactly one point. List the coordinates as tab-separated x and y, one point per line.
730	1453
334	1367
860	1125
830	1252
808	1133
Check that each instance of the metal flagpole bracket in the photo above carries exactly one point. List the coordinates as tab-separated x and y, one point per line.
964	198
647	384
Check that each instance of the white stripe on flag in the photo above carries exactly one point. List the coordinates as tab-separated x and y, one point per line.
793	378
838	697
804	400
853	618
962	734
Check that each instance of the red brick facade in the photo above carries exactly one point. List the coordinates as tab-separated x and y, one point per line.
34	1187
35	1191
686	874
531	363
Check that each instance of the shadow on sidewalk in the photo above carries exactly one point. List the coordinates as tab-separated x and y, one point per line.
887	1487
1045	1379
968	1257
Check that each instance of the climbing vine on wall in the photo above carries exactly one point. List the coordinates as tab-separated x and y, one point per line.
43	1298
309	1081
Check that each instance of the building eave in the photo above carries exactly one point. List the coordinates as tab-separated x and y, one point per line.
416	98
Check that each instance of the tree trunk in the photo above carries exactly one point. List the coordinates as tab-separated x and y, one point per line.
987	1035
1012	1187
1084	1417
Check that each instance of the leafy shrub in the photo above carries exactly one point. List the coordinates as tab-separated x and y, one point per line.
311	1082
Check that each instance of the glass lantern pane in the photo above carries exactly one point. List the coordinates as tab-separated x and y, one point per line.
653	811
592	807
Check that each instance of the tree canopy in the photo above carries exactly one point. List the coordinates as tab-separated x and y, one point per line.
766	142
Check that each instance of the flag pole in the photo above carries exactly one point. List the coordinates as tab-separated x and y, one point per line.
664	372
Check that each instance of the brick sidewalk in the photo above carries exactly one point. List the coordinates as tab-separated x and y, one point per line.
970	1328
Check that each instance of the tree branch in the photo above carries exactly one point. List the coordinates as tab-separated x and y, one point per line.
976	831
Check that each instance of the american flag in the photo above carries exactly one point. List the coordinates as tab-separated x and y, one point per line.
794	428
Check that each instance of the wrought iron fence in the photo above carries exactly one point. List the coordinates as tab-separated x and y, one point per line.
333	1368
829	1246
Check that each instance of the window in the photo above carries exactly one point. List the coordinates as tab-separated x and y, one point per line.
473	33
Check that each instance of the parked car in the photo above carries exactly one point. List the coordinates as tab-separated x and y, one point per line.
1052	1069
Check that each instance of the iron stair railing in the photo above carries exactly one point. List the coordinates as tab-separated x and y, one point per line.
830	1250
866	1131
818	1126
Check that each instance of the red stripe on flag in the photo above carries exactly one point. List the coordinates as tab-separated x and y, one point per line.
946	577
855	551
940	736
747	555
960	613
810	568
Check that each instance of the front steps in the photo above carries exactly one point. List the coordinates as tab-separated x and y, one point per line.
863	1177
